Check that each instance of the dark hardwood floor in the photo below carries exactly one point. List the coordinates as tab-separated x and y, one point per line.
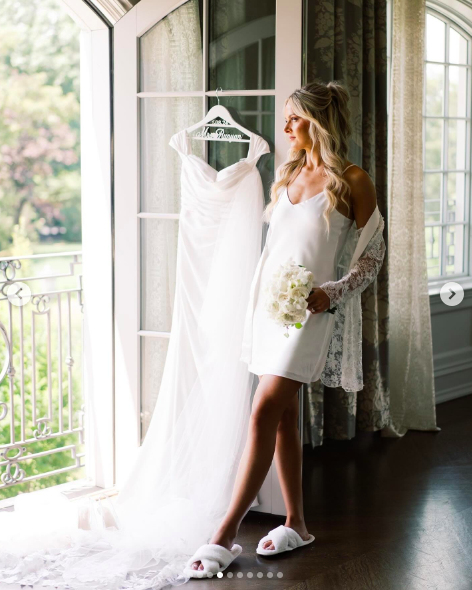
387	514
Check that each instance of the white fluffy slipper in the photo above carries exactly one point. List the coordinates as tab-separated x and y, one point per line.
283	539
215	558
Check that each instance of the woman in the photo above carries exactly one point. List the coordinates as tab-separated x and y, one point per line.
317	196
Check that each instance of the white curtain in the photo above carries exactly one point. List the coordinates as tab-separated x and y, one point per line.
412	395
170	60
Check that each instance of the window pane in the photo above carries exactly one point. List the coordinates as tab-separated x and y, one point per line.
153	357
242	44
446	148
432	251
455	205
171	54
432	190
457	91
257	113
434	89
435	38
159	239
433	147
456	142
454	250
160	163
457	47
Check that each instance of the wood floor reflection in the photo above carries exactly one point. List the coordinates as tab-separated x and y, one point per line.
387	514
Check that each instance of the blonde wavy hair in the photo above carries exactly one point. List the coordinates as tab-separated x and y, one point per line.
326	106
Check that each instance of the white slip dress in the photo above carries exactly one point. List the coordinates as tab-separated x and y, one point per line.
298	231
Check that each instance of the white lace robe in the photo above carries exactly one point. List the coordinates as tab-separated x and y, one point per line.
343	367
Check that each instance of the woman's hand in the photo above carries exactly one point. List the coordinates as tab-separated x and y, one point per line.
318	301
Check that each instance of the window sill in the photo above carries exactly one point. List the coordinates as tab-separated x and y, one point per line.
434	288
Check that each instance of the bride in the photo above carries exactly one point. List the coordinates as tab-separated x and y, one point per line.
311	195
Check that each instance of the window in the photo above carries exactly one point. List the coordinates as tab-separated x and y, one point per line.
55	120
446	147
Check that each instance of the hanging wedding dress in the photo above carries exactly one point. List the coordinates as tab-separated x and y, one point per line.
181	483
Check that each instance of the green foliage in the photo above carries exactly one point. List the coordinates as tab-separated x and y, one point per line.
42	38
39	118
21	245
40	185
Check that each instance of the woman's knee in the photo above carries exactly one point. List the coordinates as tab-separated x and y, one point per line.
263	411
289	420
273	398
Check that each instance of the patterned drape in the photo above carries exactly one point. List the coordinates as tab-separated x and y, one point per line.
346	40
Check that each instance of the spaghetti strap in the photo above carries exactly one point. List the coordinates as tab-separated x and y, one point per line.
348	167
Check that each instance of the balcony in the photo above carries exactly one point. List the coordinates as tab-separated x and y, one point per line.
42	407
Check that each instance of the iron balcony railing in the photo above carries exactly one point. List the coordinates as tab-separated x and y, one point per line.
41	400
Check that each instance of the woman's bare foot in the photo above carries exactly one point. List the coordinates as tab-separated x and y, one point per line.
301	529
224	540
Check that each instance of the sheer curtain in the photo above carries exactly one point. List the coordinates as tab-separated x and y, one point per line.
412	395
170	60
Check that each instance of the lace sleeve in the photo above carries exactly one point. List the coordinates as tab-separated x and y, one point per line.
362	274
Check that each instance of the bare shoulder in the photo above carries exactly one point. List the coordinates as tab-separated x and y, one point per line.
363	196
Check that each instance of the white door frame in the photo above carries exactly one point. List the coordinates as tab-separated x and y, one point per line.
97	240
288	73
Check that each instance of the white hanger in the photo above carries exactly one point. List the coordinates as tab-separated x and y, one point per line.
219	111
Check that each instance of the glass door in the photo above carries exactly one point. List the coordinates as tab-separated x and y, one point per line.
175	55
239	55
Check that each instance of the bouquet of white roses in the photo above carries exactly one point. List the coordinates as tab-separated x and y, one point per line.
286	293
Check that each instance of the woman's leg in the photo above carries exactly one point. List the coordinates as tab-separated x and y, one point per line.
271	398
288	460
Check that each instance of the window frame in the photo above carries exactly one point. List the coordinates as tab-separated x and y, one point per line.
463	26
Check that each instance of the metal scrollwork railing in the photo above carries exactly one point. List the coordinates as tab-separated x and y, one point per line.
40	393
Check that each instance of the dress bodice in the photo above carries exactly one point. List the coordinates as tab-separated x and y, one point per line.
300	231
